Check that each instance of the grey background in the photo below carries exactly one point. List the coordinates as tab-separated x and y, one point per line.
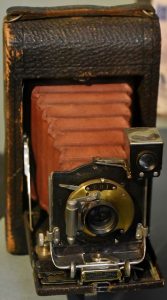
16	280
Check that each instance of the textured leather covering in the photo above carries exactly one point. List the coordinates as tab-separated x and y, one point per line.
78	48
72	124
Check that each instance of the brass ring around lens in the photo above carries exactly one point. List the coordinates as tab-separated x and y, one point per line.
114	195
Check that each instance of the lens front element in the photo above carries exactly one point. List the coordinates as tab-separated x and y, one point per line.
101	219
147	161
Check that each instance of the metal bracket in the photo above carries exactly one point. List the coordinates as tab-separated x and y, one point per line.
141	231
51	236
121	163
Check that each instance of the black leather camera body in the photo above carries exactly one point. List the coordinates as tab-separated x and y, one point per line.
81	145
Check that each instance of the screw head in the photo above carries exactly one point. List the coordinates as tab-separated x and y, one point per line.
56	235
72	270
155	174
139	232
127	269
41	239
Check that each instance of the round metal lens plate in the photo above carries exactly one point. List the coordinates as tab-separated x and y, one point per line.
112	194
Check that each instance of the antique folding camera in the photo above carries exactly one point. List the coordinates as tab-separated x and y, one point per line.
82	148
98	213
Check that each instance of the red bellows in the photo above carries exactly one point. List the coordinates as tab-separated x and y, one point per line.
71	124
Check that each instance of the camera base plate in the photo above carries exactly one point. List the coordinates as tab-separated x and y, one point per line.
51	281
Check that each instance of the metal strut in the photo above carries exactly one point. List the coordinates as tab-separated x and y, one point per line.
27	174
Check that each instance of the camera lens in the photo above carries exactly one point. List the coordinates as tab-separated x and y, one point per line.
101	219
147	161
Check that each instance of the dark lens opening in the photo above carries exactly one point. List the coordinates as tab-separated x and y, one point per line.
101	219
